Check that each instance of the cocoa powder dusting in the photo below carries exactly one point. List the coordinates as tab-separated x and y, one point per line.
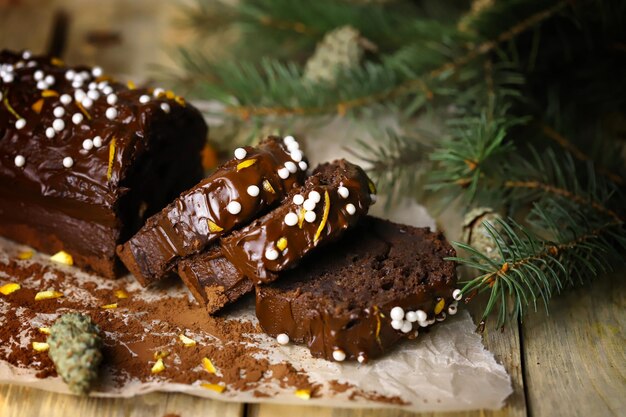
147	322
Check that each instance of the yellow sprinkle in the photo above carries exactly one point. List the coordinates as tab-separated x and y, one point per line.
214	228
62	257
111	158
131	85
180	101
377	314
439	306
9	107
372	187
158	366
214	387
83	110
160	354
268	187
318	232
170	94
245	164
37	105
301	214
109	306
44	330
208	365
282	243
303	394
25	255
47	295
40	346
57	62
10	288
49	93
120	294
187	342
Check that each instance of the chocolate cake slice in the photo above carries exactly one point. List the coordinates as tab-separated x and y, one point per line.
355	299
333	199
255	180
84	160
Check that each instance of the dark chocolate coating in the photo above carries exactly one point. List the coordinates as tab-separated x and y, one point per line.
340	299
200	215
149	151
248	247
212	279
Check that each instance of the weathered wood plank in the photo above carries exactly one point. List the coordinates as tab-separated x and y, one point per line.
18	401
576	357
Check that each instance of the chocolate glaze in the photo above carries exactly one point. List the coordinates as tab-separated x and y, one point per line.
155	155
248	248
340	300
200	215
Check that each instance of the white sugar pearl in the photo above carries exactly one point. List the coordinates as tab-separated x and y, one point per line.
452	309
19	161
93	85
350	208
50	133
77	118
144	99
293	146
8	78
42	85
253	191
339	355
288	139
87	144
111	99
49	79
373	198
310	216
457	295
397	324
424	323
240	153
102	85
38	75
303	165
291	167
283	173
158	91
68	162
111	113
343	192
80	95
361	358
296	155
291	219
66	99
31	64
107	90
93	94
70	74
27	54
282	338
298	199
234	207
20	123
58	112
406	327
309	204
271	254
397	313
84	75
58	125
411	316
96	71
421	315
97	141
315	196
87	102
441	316
165	107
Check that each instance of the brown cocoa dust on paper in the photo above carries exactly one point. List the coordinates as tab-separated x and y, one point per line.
136	329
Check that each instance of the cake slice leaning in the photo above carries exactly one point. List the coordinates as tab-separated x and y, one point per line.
357	298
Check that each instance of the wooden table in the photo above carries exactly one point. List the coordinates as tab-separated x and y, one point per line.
570	363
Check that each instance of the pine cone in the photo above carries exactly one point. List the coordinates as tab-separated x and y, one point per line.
340	49
75	350
475	233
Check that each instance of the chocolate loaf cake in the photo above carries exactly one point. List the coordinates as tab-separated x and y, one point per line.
356	298
85	160
333	199
237	192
